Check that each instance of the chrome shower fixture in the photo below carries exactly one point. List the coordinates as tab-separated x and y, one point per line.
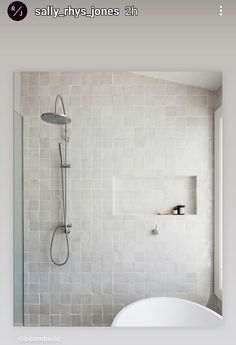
56	118
61	119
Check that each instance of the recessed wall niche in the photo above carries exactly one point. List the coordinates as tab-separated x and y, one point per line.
150	195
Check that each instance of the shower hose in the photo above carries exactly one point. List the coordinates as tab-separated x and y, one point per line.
67	245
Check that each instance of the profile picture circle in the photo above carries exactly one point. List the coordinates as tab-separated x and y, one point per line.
17	10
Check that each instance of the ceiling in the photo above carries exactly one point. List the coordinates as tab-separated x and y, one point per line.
207	80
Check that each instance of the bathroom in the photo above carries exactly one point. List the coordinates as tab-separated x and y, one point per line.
138	145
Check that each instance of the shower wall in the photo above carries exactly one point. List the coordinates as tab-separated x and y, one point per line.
138	145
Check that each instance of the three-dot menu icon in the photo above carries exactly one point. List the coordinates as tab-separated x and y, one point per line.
221	10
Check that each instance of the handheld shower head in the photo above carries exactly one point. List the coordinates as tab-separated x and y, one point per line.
60	152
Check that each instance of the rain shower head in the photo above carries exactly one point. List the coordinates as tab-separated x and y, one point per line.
56	118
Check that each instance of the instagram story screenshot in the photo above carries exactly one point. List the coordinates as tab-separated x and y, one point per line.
117	174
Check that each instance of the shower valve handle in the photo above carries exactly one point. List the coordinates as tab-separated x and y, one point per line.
155	231
68	227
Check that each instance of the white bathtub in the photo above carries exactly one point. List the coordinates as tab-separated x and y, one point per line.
166	312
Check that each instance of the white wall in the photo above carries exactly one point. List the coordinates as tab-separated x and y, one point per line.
138	45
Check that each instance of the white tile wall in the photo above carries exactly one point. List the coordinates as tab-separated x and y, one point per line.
123	125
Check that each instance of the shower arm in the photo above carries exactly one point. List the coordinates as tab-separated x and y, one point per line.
67	139
58	97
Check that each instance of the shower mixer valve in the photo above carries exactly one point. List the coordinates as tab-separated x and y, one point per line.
68	227
155	231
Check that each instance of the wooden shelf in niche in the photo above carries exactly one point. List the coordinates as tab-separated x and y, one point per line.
149	195
177	216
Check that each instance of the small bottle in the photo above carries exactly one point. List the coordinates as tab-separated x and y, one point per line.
175	210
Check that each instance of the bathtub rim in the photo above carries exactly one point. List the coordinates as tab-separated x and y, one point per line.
200	306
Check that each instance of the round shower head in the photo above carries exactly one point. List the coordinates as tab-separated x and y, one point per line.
56	119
